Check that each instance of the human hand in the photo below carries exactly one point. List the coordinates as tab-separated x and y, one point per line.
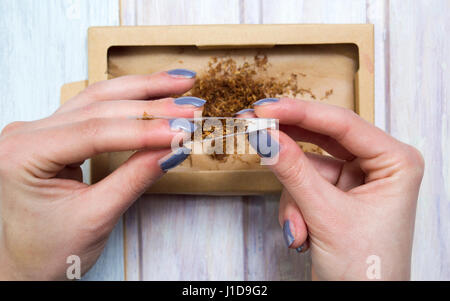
47	212
360	203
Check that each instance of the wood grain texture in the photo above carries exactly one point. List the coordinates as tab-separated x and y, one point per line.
184	237
43	47
238	238
313	11
419	115
377	13
179	12
267	257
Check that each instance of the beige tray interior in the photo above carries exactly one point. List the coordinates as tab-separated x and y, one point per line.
321	68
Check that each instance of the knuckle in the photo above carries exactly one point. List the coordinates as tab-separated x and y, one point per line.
350	113
413	159
142	132
6	144
156	123
147	129
91	127
3	154
91	91
149	82
7	150
148	132
11	127
345	127
90	110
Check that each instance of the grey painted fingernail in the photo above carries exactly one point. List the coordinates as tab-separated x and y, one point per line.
190	100
174	159
182	124
244	111
300	249
288	237
263	143
182	73
265	101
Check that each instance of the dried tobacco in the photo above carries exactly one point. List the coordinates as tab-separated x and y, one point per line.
229	87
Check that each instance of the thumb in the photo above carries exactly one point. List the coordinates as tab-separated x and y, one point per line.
112	196
295	230
297	174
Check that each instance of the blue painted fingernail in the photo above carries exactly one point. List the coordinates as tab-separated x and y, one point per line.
190	100
288	237
245	111
175	158
300	249
263	143
182	124
182	73
265	101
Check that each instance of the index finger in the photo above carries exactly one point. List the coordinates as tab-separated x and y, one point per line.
134	87
358	136
66	144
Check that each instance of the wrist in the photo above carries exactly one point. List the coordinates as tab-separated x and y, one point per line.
7	271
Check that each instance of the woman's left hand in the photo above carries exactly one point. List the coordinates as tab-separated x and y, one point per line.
47	212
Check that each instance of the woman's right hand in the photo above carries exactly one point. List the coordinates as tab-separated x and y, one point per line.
355	210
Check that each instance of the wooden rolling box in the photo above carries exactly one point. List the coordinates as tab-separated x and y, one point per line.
337	58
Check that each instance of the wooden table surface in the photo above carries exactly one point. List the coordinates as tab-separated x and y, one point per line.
43	45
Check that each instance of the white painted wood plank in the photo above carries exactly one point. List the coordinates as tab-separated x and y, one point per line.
184	237
250	11
420	97
267	257
191	238
43	47
378	14
132	243
128	12
179	12
313	11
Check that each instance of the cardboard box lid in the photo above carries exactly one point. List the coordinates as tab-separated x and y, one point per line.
101	39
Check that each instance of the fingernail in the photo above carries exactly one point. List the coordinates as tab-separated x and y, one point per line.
300	249
263	143
190	100
174	159
182	73
265	101
244	111
288	237
182	124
